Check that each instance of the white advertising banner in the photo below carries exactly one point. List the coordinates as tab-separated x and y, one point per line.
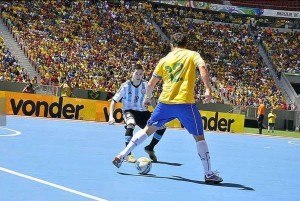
233	9
282	13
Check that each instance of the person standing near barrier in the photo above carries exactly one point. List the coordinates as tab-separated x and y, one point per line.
177	70
261	111
132	93
28	88
66	88
271	120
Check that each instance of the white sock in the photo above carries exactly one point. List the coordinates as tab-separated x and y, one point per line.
137	139
268	128
204	155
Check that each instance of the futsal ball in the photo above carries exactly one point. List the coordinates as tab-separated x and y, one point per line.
143	165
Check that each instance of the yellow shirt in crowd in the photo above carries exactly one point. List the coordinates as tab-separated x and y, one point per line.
66	90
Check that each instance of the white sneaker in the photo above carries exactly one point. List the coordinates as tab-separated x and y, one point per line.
118	160
213	178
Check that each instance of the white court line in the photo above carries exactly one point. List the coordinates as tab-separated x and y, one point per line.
122	124
52	184
294	142
10	135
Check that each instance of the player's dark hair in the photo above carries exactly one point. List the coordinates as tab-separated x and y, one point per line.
137	67
179	40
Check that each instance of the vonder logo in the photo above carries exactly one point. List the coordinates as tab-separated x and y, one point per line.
54	110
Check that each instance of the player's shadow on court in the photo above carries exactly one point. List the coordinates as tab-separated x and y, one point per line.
178	178
168	163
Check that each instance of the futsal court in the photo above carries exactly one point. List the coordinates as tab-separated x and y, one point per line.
45	159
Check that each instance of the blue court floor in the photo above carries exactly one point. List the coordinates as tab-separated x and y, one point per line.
64	160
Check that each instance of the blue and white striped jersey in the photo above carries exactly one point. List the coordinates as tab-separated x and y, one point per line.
132	96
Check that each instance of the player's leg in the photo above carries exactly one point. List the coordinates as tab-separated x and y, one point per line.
156	138
137	139
162	114
203	152
259	126
157	120
268	127
272	125
142	120
190	118
192	121
129	119
260	123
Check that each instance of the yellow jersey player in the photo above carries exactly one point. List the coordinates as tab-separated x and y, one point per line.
177	70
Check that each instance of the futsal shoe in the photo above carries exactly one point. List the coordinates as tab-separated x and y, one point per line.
213	178
151	154
131	158
118	160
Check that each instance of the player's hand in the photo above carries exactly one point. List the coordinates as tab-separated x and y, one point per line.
147	102
111	121
207	96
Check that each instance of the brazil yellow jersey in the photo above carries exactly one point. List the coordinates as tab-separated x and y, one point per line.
178	72
65	90
271	118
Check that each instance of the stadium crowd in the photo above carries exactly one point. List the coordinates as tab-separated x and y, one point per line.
283	49
237	69
10	69
95	44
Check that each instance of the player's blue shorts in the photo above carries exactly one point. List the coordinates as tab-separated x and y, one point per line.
187	114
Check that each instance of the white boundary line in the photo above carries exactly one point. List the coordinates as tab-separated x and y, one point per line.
294	142
52	184
122	124
10	135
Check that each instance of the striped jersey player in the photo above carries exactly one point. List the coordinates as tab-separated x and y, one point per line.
132	94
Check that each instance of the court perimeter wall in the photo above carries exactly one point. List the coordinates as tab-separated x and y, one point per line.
97	110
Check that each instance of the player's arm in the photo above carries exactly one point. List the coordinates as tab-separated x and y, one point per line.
117	97
200	64
156	77
153	102
205	78
258	111
111	112
150	87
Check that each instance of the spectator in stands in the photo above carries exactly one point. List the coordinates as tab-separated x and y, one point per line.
283	49
28	88
55	43
10	70
65	48
66	88
34	80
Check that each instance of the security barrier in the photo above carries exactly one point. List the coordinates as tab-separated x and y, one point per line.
55	107
95	110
